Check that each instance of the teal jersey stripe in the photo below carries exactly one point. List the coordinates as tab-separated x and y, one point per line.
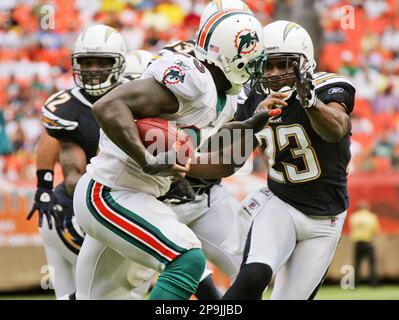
124	235
136	219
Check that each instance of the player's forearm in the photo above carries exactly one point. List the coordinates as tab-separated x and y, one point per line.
328	121
117	122
115	113
47	152
211	171
225	161
73	163
241	135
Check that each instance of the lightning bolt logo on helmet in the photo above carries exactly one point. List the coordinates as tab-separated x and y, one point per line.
173	75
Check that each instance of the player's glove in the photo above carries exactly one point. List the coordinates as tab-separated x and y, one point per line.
164	165
260	119
180	192
44	198
305	87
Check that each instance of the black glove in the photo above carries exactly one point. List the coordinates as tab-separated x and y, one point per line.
260	119
180	190
44	198
163	164
305	88
44	203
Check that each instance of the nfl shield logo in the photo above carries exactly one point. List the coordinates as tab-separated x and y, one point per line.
253	204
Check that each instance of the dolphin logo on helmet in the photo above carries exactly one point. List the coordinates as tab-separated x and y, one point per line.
245	42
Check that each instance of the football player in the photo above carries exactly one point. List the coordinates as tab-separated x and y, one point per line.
73	134
298	216
208	208
136	63
115	202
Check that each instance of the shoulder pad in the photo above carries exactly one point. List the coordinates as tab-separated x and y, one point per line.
56	109
178	46
333	88
323	79
182	74
52	121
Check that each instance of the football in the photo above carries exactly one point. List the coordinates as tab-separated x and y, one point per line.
160	135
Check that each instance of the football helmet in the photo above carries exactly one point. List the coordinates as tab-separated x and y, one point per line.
136	63
98	41
230	39
284	40
217	5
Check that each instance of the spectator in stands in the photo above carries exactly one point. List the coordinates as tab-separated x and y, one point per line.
348	67
361	125
375	8
386	102
5	145
366	80
364	226
384	146
34	61
390	38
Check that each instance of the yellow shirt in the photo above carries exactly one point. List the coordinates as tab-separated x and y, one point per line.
364	225
173	12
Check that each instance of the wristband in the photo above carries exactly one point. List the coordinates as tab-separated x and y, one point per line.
45	178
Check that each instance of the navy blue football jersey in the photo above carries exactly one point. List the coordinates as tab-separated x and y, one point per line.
67	116
305	171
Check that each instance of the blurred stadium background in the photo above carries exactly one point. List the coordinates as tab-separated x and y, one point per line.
359	39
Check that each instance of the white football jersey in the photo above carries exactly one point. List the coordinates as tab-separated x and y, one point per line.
200	107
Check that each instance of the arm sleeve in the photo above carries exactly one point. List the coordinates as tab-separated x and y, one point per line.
246	109
57	117
341	93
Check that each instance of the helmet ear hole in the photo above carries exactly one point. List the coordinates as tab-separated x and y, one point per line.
240	65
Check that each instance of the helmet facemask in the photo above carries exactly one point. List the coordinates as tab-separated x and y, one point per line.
285	81
99	80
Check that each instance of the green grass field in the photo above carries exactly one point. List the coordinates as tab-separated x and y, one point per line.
327	292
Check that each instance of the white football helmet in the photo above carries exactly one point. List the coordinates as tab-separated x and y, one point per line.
98	41
136	63
230	39
285	39
217	5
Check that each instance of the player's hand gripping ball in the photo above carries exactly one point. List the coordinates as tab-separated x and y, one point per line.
169	145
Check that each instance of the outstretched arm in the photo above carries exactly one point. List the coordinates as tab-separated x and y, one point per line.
225	161
47	151
73	162
330	120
